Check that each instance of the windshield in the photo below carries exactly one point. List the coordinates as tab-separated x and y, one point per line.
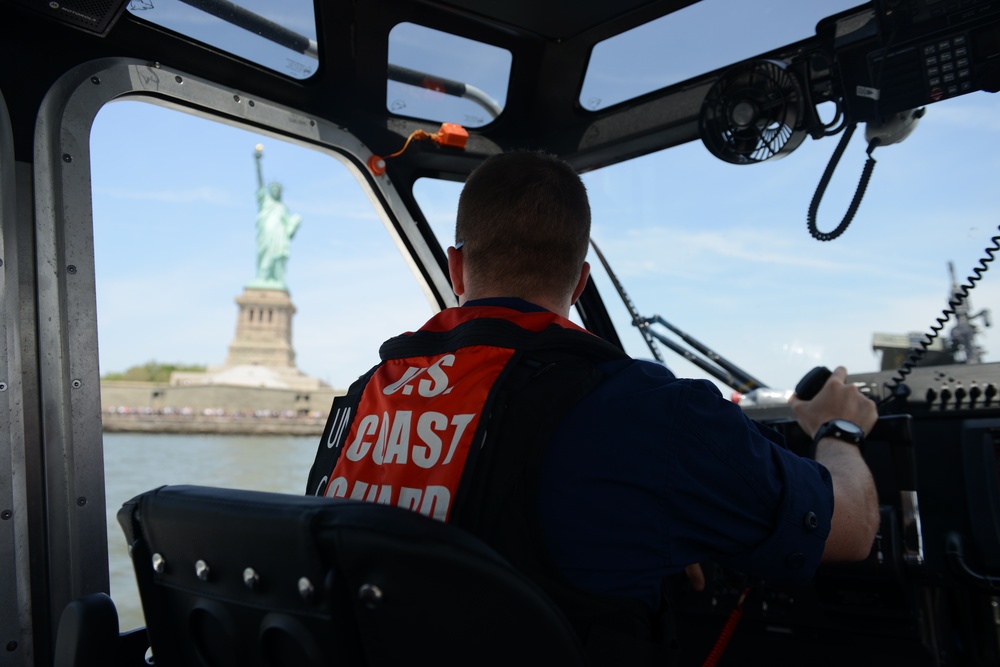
723	252
673	48
279	37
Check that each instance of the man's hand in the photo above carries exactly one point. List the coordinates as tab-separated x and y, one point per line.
696	576
836	400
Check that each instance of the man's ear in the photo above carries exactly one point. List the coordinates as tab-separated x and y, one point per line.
456	269
582	283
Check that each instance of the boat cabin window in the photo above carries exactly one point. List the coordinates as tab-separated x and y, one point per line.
723	252
175	244
279	36
438	200
673	48
434	75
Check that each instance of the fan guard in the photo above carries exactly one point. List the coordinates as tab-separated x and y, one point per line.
753	112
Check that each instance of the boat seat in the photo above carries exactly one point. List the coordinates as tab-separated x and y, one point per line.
243	578
87	634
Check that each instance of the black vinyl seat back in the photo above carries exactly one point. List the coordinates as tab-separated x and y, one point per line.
244	578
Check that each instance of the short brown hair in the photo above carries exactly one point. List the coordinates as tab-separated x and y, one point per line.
524	223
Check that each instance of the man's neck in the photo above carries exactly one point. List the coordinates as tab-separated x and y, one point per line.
541	302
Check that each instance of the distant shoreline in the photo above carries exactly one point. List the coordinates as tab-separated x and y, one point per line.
213	424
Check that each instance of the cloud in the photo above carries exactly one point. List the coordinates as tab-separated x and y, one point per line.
203	194
678	251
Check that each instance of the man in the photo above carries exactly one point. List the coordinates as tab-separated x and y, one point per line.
598	475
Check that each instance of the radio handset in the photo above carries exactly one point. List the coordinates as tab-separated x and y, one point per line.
812	382
894	130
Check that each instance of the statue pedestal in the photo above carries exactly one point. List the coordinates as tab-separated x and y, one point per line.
261	354
263	330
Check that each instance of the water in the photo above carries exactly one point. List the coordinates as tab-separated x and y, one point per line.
138	462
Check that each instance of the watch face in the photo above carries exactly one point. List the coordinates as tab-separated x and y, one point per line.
849	427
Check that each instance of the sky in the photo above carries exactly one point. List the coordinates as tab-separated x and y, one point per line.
720	251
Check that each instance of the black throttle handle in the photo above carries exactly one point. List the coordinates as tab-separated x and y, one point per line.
812	382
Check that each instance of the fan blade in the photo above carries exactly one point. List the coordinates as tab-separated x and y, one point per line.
753	113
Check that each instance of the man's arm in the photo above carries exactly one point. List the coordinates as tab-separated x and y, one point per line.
855	500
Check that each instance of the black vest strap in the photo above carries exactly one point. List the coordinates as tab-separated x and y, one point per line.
497	498
338	425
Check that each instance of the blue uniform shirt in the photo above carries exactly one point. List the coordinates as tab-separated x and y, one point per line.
651	473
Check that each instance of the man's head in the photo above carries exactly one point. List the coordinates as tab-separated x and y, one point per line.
523	229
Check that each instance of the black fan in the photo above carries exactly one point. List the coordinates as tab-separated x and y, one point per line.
754	112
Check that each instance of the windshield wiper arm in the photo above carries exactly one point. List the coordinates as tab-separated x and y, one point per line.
446	86
257	24
279	34
716	366
732	375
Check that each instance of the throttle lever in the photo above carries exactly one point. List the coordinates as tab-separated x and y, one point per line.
812	382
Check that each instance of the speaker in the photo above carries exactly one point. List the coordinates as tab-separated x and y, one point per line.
93	16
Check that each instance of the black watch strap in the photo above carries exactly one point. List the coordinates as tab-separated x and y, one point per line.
841	429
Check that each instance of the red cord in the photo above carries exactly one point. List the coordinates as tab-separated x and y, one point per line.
727	632
416	134
450	134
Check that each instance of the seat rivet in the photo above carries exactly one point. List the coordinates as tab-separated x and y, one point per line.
306	589
202	570
251	578
370	595
159	563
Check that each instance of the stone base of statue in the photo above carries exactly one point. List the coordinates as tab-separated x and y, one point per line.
261	354
263	330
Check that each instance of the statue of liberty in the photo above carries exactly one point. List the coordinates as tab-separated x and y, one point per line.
275	229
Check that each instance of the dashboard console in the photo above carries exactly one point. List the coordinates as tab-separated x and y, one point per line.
929	592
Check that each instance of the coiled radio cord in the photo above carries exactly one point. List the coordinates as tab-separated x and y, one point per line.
956	300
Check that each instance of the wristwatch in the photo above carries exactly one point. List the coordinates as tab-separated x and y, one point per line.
841	429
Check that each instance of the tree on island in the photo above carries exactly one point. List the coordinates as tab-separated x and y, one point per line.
151	371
